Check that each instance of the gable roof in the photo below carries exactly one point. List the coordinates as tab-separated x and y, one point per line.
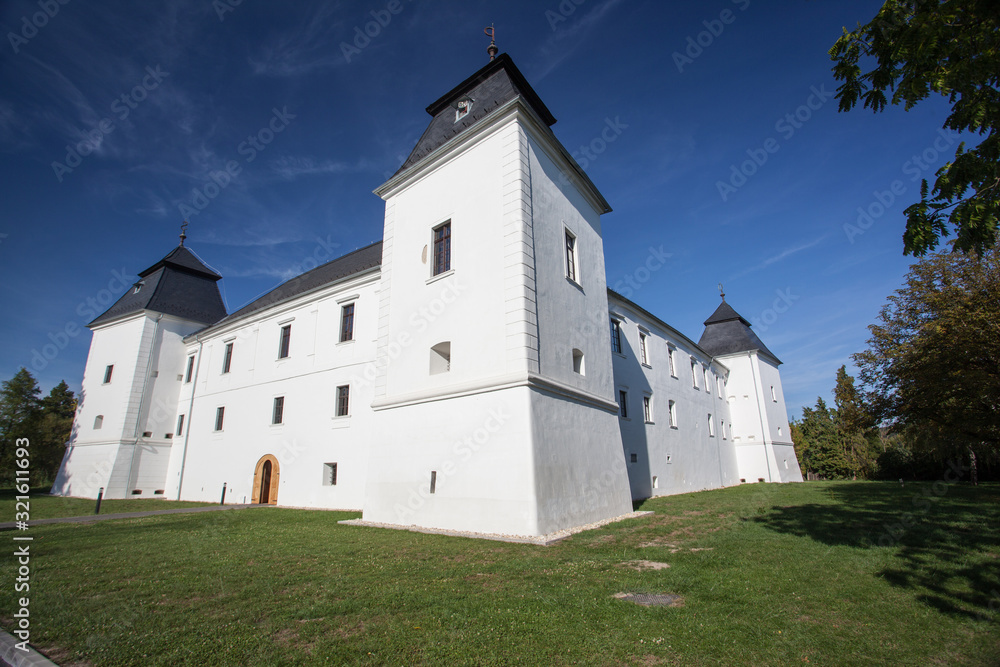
491	87
727	332
360	260
179	284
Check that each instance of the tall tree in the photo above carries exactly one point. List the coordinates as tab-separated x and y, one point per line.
916	48
855	427
817	444
55	426
933	360
20	410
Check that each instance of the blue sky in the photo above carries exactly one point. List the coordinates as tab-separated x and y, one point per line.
114	117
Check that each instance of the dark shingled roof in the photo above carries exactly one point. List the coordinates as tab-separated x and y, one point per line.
492	86
179	284
727	332
337	269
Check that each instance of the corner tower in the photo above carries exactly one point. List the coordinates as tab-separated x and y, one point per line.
495	383
761	435
124	424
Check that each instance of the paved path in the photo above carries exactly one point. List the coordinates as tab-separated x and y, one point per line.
127	515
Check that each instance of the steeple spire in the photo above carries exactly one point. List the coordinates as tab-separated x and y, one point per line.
492	48
184	226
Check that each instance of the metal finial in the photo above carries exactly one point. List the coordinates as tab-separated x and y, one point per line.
492	48
184	226
723	294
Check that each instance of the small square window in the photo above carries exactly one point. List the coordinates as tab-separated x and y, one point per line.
329	474
98	422
442	248
347	323
285	341
633	457
343	400
278	413
220	414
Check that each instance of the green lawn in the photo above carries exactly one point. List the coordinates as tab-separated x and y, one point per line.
769	575
44	506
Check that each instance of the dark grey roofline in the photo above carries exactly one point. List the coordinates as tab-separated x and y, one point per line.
658	321
252	308
503	61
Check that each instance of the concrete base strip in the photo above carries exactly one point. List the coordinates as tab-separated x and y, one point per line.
542	540
12	656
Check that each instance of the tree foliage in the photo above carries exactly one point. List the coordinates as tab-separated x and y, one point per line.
45	422
932	367
949	48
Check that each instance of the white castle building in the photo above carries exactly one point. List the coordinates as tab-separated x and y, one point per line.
458	374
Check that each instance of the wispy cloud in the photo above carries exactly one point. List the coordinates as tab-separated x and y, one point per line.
297	52
291	167
784	254
568	36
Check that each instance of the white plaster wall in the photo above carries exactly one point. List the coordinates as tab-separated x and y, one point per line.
481	448
697	459
85	469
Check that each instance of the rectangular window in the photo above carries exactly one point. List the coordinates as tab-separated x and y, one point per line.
570	256
774	396
711	426
347	323
643	356
718	385
227	358
694	374
180	425
278	413
722	429
616	336
647	408
329	474
670	357
107	373
220	414
633	457
434	479
672	410
285	341
190	369
343	400
623	403
708	387
442	248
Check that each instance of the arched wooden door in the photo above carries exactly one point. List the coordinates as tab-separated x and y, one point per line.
265	481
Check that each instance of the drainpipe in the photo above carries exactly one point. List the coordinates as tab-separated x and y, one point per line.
187	433
760	414
142	400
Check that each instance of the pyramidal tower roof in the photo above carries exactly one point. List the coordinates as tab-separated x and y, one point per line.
494	85
180	284
728	332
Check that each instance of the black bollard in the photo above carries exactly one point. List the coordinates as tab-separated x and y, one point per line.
223	500
100	494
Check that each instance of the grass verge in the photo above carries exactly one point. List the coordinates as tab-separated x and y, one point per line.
828	573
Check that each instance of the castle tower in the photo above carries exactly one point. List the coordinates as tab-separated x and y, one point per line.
761	435
124	425
494	393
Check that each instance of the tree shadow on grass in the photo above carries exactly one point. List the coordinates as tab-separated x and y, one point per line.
947	537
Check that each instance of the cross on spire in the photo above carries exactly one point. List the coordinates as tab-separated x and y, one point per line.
184	226
492	48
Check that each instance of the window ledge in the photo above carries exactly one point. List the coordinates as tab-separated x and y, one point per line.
647	366
346	342
619	354
575	284
440	276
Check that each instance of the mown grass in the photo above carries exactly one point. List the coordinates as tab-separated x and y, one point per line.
44	506
769	574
